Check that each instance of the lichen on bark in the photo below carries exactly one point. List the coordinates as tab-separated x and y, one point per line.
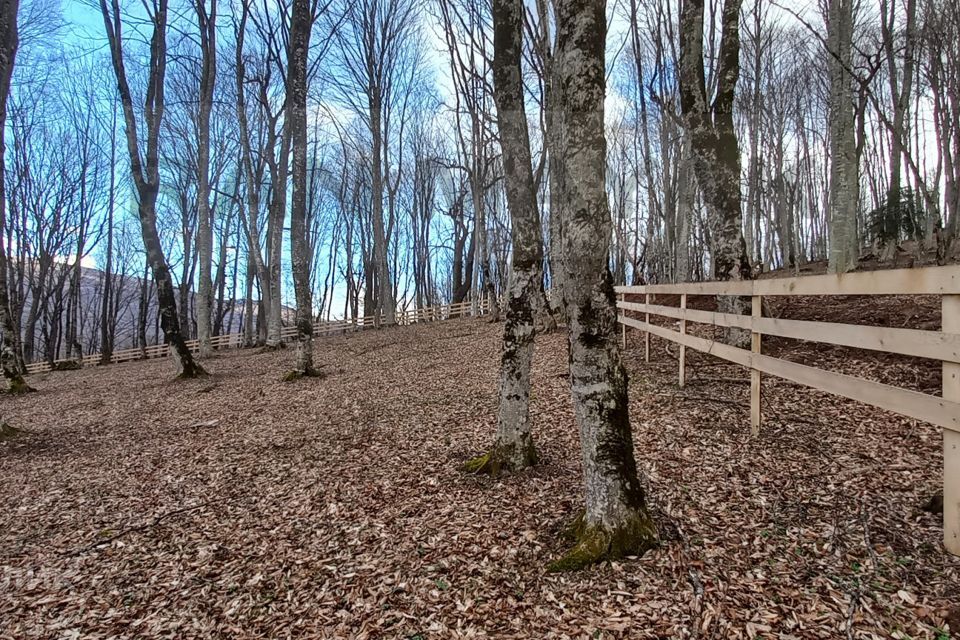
616	521
513	445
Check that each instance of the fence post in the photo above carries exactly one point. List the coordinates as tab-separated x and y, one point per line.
623	327
950	323
683	349
646	334
756	312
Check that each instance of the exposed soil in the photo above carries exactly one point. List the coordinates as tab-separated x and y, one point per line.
241	506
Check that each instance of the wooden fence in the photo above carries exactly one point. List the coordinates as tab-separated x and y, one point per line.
235	340
943	345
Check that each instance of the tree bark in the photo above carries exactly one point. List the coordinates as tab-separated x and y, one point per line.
616	521
513	445
147	178
9	42
714	144
301	23
207	23
844	160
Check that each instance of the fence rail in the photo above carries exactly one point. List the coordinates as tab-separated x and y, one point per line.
236	340
943	345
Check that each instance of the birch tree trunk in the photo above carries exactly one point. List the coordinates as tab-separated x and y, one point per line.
513	446
615	522
9	41
301	22
207	22
844	161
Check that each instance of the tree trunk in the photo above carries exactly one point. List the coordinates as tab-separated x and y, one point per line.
107	326
147	178
301	23
251	178
275	241
384	310
513	445
844	161
616	521
9	41
714	144
207	23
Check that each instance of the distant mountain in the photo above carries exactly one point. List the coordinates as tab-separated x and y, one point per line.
129	290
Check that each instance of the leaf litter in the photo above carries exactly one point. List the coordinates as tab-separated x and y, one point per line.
139	506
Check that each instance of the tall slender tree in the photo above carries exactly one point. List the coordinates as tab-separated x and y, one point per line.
513	446
207	24
713	138
844	159
8	52
301	24
144	167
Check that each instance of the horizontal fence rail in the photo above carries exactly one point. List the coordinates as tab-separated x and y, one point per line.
943	345
236	340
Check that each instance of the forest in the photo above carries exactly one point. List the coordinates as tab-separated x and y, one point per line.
428	226
406	201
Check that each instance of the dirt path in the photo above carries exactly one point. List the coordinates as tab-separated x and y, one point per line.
241	506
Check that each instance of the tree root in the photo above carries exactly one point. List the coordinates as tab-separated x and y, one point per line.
192	373
296	374
67	365
595	543
19	386
500	460
7	432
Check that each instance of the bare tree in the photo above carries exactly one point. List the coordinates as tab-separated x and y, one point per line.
616	521
301	24
513	446
380	62
8	53
465	29
145	167
207	24
716	150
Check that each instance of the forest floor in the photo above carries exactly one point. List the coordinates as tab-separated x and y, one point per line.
133	505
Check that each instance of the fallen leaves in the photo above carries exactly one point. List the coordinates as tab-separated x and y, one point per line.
334	508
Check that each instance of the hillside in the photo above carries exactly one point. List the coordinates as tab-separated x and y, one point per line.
334	508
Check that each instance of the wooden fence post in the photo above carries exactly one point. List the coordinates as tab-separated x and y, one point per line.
683	348
646	334
950	323
623	327
756	312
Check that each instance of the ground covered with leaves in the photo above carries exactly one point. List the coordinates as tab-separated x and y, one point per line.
133	505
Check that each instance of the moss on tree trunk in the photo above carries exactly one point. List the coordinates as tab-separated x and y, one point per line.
503	458
597	543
